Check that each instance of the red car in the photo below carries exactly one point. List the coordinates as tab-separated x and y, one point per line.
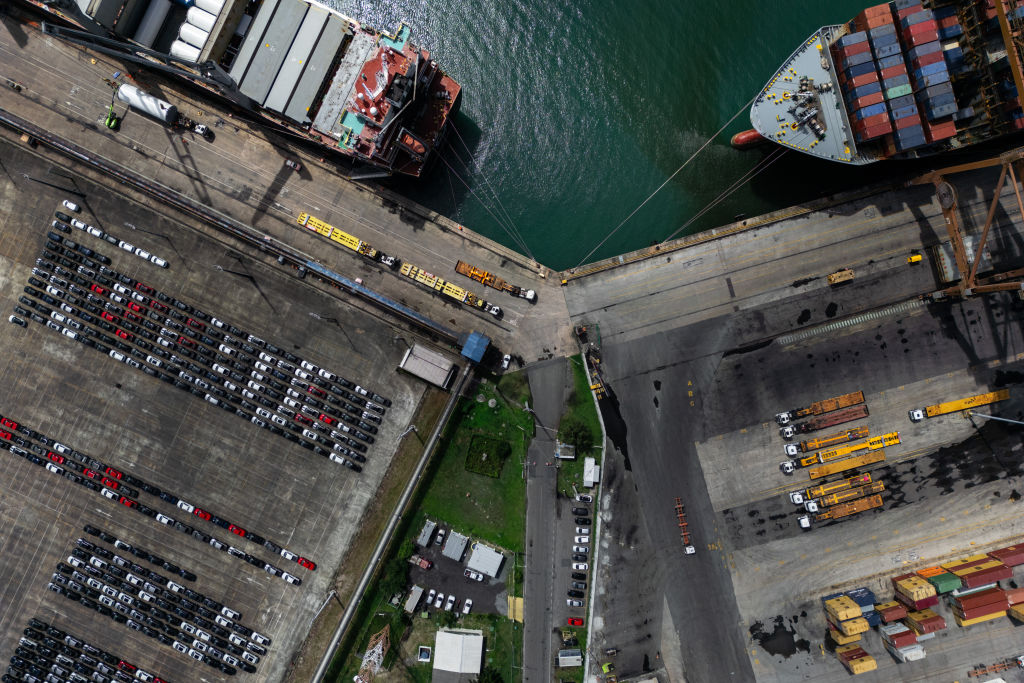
185	341
575	621
315	391
308	564
99	290
10	424
108	316
59	459
111	484
236	530
127	502
112	472
123	335
92	474
202	514
145	289
126	666
327	419
302	419
192	322
5	435
157	306
132	306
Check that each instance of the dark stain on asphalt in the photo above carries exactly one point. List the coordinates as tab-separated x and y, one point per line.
831	309
805	316
781	640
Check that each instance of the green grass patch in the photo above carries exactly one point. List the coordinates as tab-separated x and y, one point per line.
580	425
486	456
489	507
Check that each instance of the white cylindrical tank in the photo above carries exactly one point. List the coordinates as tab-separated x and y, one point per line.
212	6
152	21
193	35
201	18
185	51
147	104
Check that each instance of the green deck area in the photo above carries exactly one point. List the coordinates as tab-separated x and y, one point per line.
398	40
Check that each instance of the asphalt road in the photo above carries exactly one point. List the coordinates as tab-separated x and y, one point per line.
544	603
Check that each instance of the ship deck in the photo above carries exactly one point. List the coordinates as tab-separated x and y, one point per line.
773	115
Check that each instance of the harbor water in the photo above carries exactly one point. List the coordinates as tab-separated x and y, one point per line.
574	113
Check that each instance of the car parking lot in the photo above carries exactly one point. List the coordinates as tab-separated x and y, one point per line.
199	496
574	547
448	577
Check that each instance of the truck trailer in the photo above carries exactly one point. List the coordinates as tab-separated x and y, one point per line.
826	441
869	458
822	457
825	421
492	280
919	414
850	508
820	407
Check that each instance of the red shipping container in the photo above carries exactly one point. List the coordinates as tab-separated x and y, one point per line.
985	597
872	132
948	22
908	122
980	611
897	579
913	29
852	654
895	613
1018	124
875	22
928	625
987	576
866	101
870	121
878	11
898	70
855	49
864	79
921	38
1011	556
904	13
925	60
1014	596
903	639
918	605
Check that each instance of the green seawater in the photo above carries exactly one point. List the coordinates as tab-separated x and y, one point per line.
573	113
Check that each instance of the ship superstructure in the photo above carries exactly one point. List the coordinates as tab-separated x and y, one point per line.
901	79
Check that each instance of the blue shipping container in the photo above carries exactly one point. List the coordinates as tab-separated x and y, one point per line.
940	100
873	618
965	113
910	132
934	91
906	146
929	69
856	59
870	110
869	89
859	70
831	596
896	81
937	112
917	18
934	79
852	39
888	50
943	12
862	596
888	62
881	41
926	49
1017	13
906	4
904	112
883	30
950	32
900	102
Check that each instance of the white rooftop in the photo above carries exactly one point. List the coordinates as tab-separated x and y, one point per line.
459	651
485	560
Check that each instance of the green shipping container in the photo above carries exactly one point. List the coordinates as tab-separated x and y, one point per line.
944	582
898	91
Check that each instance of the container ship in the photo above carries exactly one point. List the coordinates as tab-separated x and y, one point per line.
374	97
901	80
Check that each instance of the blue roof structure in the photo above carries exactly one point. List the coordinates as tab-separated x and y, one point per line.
475	346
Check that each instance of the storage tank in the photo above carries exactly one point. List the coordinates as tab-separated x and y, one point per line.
212	6
147	104
201	18
184	51
152	21
193	35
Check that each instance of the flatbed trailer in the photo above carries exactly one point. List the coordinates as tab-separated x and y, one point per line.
817	444
851	494
919	414
868	458
837	486
821	407
492	280
850	508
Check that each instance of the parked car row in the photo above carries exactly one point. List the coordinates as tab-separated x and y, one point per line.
154	334
62	224
56	460
132	592
580	555
45	650
440	601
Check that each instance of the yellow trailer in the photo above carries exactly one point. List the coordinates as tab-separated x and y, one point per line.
962	404
868	458
851	508
852	494
872	444
837	486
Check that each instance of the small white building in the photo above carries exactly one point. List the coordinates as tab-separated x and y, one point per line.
414	599
458	655
591	472
485	560
429	365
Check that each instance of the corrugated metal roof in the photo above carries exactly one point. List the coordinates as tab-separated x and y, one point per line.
485	560
317	69
426	533
295	61
272	49
459	651
430	365
253	39
455	546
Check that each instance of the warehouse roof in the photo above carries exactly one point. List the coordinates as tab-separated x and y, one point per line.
430	365
485	560
458	655
455	546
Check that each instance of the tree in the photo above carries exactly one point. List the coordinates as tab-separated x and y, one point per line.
489	674
574	431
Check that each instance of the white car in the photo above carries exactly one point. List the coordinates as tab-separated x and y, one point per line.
127	246
230	613
265	356
584	498
581	549
449	603
260	638
430	597
472	575
468	606
309	366
440	600
582	539
158	261
180	647
68	204
226	350
299	372
505	360
288	555
164	519
582	530
95	232
574	603
580	566
53	468
139	251
107	493
326	374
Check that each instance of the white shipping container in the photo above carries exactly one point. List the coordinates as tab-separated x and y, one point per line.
912	653
193	35
184	51
201	18
212	6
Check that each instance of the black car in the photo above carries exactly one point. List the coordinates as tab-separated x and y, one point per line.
579	557
574	594
580	511
583	521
